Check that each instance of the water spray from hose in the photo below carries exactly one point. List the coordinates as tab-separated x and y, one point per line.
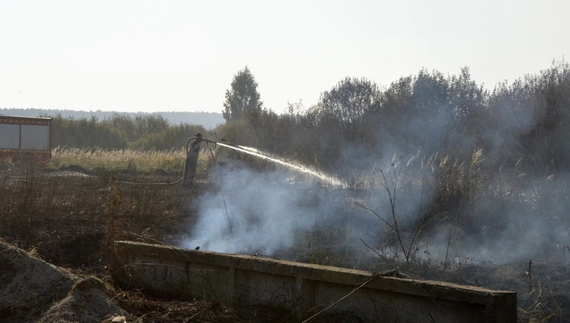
254	152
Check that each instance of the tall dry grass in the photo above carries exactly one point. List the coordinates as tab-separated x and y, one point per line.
71	219
129	159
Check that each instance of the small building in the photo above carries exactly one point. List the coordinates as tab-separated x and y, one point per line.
23	135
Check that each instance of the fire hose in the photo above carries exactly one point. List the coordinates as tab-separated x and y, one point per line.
184	174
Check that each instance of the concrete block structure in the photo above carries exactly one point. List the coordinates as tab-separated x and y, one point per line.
305	289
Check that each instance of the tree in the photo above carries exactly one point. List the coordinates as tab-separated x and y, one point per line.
350	99
347	103
138	127
243	97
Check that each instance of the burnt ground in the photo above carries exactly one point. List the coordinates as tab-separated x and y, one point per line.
56	242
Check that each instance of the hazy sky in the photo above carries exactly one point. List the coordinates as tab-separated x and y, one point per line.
136	55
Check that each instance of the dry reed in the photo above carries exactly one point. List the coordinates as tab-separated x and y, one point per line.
90	158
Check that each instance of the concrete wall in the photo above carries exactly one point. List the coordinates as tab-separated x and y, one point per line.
304	288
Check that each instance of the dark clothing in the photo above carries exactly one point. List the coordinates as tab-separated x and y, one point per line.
193	151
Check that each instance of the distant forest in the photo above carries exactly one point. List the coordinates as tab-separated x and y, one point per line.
207	120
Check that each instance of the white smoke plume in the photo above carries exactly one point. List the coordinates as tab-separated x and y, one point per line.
512	217
265	213
253	213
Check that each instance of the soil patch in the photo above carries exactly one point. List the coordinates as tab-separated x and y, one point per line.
33	290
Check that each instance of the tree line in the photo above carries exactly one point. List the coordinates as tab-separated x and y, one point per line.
357	122
121	131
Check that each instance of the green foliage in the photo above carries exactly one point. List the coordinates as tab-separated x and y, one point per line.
138	127
169	138
243	97
121	131
239	132
85	133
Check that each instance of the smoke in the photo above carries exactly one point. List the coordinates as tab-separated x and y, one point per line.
405	189
527	221
274	212
255	212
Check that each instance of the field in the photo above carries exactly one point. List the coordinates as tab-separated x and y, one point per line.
69	212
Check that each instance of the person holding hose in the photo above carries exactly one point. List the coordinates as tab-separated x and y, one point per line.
192	154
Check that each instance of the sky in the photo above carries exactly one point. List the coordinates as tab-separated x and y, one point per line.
182	55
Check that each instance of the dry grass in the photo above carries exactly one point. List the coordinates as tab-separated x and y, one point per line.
127	159
72	220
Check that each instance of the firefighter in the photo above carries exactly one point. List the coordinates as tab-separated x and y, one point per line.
192	153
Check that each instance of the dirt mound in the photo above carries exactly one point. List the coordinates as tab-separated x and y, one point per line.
32	290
